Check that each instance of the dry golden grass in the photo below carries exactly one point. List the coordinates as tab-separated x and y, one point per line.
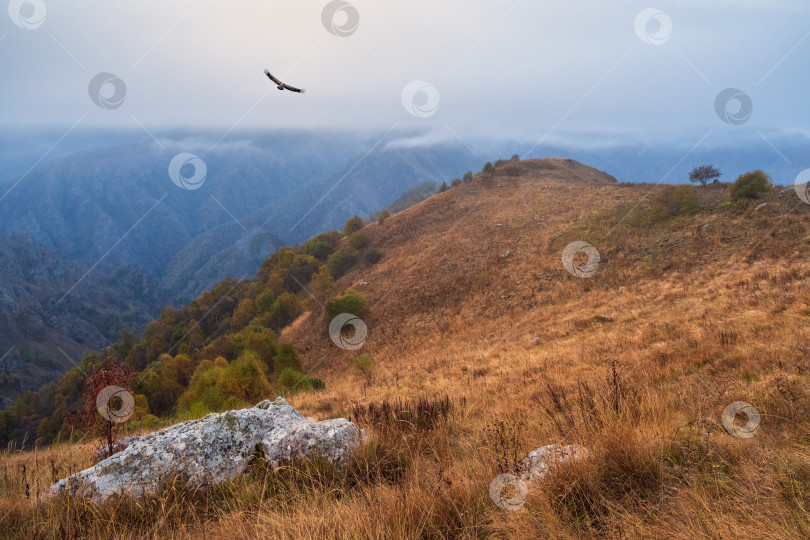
636	363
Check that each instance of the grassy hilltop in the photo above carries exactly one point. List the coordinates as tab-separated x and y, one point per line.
482	347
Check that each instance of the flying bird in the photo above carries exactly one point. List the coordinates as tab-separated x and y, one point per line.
282	86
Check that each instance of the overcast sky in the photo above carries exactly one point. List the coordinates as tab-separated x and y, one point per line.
524	69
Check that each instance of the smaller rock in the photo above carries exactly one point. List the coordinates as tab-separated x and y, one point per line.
760	206
543	460
505	254
603	318
265	404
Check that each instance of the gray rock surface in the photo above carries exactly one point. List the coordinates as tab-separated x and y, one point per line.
543	460
213	449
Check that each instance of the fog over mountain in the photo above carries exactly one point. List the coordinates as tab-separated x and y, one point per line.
105	209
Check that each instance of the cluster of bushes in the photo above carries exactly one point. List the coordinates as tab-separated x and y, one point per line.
488	170
507	165
502	162
454	183
679	200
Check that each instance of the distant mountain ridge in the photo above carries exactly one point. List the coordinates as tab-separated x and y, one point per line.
109	229
104	205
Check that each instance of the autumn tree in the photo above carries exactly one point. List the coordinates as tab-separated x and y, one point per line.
106	402
468	177
353	225
322	285
165	381
243	314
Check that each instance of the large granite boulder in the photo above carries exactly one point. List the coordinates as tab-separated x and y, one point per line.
213	449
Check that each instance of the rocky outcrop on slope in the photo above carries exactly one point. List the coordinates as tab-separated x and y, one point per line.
213	449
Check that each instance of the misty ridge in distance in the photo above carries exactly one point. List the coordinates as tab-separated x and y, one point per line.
292	184
78	211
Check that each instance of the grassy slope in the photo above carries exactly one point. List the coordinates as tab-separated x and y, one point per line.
689	318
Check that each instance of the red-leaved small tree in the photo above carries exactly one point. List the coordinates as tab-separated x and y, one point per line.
106	402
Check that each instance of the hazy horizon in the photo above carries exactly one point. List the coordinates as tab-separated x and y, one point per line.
523	71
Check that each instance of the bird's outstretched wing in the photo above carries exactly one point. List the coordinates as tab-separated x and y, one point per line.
273	78
293	89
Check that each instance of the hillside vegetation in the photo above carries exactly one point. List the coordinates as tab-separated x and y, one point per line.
481	347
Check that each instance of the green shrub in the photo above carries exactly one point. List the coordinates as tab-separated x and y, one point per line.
264	302
456	182
285	310
148	421
350	301
300	271
291	381
724	204
341	262
359	240
246	379
750	185
286	357
320	249
468	177
365	365
233	403
211	400
203	386
353	225
372	256
317	384
673	201
198	410
322	283
363	362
